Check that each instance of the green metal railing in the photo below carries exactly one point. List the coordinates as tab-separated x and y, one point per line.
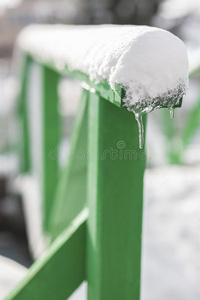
92	209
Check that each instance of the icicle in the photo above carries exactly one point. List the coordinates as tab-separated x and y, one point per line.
171	111
138	116
139	109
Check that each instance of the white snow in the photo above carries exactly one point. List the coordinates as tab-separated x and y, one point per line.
11	273
194	60
150	63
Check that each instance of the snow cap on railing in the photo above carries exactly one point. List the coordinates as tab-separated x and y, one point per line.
151	64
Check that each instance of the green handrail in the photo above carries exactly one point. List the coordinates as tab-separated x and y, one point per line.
92	209
109	181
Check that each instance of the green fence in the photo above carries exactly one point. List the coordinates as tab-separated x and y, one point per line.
92	208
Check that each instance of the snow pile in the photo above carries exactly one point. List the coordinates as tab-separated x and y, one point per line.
150	63
171	241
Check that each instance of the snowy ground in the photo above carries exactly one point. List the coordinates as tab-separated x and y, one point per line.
171	239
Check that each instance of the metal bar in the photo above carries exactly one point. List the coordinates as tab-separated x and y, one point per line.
115	200
24	147
51	136
102	88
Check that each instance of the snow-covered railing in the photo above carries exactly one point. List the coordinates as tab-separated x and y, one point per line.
137	69
149	63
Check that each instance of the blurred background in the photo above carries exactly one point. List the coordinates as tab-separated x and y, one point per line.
171	239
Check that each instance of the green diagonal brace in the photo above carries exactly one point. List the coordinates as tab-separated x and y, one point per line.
57	274
70	196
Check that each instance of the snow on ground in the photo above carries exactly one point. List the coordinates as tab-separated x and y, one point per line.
11	273
150	63
171	239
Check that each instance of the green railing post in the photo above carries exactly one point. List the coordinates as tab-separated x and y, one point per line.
51	138
115	200
24	147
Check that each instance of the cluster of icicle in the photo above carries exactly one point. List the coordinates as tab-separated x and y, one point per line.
146	105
